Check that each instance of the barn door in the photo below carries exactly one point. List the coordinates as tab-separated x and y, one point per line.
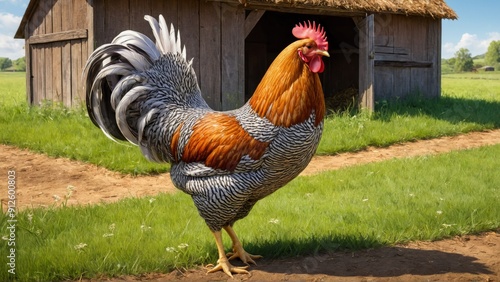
366	62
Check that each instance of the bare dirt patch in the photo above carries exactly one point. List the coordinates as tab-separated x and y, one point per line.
41	180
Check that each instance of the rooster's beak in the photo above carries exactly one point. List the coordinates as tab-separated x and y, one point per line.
322	53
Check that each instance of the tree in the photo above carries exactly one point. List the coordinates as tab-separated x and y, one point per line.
5	63
20	64
492	56
463	60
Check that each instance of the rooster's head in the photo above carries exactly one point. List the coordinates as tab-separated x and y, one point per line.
314	46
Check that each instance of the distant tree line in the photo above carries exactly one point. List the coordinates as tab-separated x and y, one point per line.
7	64
464	62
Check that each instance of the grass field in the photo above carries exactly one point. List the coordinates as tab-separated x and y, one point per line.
468	104
360	207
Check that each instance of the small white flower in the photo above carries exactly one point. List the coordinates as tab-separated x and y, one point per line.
151	200
274	221
183	246
170	249
80	246
70	191
106	235
439	212
5	238
447	225
412	195
56	198
145	227
365	200
112	227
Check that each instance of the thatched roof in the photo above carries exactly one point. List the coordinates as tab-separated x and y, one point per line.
429	8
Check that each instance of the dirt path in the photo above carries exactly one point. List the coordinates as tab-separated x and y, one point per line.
41	180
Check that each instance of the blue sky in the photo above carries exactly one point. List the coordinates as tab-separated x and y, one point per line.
476	27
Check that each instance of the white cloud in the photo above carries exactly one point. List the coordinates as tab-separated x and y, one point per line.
10	47
472	42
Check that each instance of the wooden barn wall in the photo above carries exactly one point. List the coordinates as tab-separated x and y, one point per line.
211	31
57	47
407	56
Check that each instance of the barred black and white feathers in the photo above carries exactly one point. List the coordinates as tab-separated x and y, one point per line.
128	73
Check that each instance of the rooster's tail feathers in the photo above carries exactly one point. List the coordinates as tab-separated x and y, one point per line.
166	41
113	80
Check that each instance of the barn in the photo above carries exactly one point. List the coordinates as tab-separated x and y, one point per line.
380	49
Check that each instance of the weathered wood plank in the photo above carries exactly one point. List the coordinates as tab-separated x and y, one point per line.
233	56
252	19
56	73
403	64
35	71
89	19
366	63
402	76
433	52
136	15
48	67
210	64
67	70
77	66
189	26
29	68
58	36
166	8
99	11
116	18
57	16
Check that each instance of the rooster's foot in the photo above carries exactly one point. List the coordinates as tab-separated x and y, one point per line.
239	252
224	265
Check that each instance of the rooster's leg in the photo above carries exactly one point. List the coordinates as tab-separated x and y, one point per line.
223	262
238	251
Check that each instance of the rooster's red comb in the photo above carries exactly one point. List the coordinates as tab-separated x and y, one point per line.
316	33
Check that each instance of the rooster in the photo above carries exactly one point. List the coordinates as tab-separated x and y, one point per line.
148	94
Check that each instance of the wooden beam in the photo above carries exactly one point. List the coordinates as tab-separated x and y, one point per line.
366	63
252	19
58	36
403	64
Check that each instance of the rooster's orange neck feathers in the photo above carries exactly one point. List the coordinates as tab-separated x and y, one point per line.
289	92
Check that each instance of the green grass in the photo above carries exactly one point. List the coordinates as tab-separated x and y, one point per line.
470	102
396	201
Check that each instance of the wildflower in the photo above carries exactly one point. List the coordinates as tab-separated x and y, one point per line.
30	217
5	238
183	246
439	212
70	191
145	227
80	246
365	200
274	221
151	200
112	227
106	235
170	249
412	195
56	198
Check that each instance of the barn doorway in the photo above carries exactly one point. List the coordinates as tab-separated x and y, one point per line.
273	33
